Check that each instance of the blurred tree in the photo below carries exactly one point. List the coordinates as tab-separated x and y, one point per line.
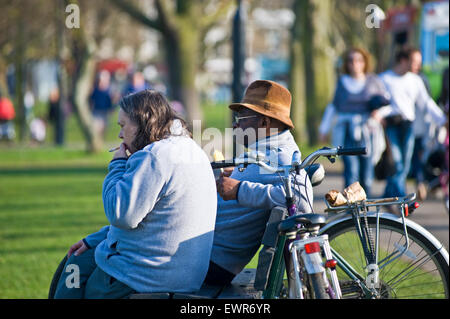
297	77
24	38
78	54
312	72
322	31
182	23
81	71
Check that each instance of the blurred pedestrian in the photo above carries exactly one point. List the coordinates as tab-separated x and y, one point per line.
136	84
443	98
407	92
7	115
38	130
101	102
422	128
358	93
56	116
28	103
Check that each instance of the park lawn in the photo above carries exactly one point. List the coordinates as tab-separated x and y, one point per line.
46	205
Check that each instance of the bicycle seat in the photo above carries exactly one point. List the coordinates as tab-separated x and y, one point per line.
308	220
316	173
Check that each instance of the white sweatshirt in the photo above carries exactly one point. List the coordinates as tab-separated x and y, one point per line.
408	91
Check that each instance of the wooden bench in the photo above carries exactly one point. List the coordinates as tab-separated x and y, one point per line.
240	288
249	284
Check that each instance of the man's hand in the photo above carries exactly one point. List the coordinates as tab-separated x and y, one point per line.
227	171
77	249
227	187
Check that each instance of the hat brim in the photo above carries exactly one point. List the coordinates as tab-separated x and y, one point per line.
286	120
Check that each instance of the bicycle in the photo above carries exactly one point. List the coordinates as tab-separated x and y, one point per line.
375	254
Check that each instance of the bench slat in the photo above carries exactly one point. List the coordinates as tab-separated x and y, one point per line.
242	287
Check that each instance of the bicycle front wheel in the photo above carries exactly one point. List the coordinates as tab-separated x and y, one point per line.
420	272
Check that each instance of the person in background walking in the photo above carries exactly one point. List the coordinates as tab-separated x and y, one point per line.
137	83
7	115
358	93
101	101
407	92
422	128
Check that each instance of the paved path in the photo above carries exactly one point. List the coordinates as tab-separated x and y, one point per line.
431	214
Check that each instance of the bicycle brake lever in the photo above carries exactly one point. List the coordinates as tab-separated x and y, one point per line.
332	159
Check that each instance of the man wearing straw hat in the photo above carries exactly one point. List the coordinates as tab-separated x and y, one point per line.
246	197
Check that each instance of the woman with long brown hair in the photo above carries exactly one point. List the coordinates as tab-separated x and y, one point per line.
160	200
358	93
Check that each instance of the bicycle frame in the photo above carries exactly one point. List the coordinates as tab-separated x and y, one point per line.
298	247
275	280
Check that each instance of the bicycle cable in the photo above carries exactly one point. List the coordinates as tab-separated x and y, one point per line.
297	185
304	185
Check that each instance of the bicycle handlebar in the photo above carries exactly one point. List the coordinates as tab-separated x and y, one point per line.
222	164
352	151
325	151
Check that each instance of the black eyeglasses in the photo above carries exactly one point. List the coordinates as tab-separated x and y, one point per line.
238	118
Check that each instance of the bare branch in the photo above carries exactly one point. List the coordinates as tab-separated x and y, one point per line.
135	13
208	20
167	16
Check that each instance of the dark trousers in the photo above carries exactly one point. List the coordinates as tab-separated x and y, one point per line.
82	279
217	275
401	138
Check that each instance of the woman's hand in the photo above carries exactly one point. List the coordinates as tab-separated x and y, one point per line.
77	249
121	152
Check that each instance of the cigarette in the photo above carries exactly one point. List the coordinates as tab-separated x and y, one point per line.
218	156
114	149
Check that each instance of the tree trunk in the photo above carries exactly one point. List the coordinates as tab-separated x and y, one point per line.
319	70
182	60
19	66
82	79
181	36
297	78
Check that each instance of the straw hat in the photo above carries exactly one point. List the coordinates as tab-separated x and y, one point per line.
267	98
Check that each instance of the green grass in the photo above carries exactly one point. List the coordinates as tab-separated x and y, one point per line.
45	206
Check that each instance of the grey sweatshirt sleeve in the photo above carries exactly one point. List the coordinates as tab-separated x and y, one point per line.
132	188
257	195
94	239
